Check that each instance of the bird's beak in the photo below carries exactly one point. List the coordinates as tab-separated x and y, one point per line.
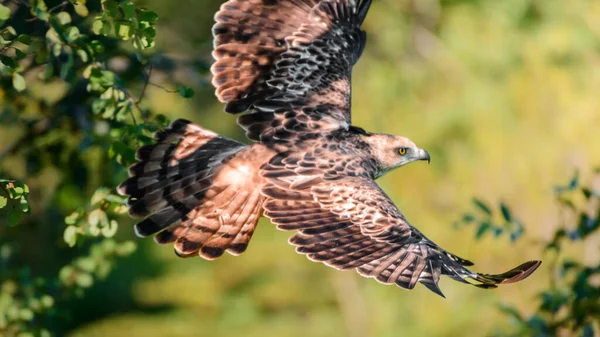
424	155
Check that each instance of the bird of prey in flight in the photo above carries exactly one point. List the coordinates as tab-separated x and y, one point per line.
285	66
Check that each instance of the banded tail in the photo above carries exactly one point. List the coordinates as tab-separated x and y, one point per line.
195	189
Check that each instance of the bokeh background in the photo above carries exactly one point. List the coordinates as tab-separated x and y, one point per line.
505	95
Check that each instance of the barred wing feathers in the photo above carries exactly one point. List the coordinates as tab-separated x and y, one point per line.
289	62
350	223
190	190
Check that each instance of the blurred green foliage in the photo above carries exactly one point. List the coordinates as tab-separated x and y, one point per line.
503	94
570	304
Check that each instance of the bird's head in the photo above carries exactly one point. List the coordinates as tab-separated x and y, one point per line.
394	151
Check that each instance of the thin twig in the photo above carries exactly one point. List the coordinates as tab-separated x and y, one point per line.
133	103
59	6
146	81
163	88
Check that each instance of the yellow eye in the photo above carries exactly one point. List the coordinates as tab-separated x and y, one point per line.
402	151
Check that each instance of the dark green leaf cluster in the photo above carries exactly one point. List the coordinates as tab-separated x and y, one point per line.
499	221
68	71
13	201
570	303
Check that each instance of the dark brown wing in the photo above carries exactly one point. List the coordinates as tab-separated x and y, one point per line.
289	62
349	223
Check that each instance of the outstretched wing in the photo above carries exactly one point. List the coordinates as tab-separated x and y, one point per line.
289	62
350	223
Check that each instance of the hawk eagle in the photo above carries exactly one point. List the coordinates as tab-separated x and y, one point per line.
287	65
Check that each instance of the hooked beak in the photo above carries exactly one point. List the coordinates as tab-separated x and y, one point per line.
424	155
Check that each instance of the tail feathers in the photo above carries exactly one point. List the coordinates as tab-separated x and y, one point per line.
189	189
490	281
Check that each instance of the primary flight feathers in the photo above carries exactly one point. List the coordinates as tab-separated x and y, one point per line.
287	64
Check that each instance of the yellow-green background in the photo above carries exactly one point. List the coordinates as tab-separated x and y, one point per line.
505	95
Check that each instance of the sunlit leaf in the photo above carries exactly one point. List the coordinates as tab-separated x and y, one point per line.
72	218
26	314
64	18
80	8
4	12
97	27
84	280
19	82
70	235
110	230
99	195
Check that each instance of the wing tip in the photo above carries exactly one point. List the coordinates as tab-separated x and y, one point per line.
363	9
522	271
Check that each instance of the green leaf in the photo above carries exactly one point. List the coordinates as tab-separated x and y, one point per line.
72	33
574	181
185	91
82	55
84	280
24	39
115	199
11	31
72	218
148	16
19	54
47	301
126	248
467	218
40	10
48	71
110	230
70	235
65	274
17	191
128	10
123	30
482	206
26	314
4	12
97	47
112	9
505	212
95	217
3	201
86	264
24	205
483	228
7	61
80	8
64	18
587	193
99	195
97	27
150	32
